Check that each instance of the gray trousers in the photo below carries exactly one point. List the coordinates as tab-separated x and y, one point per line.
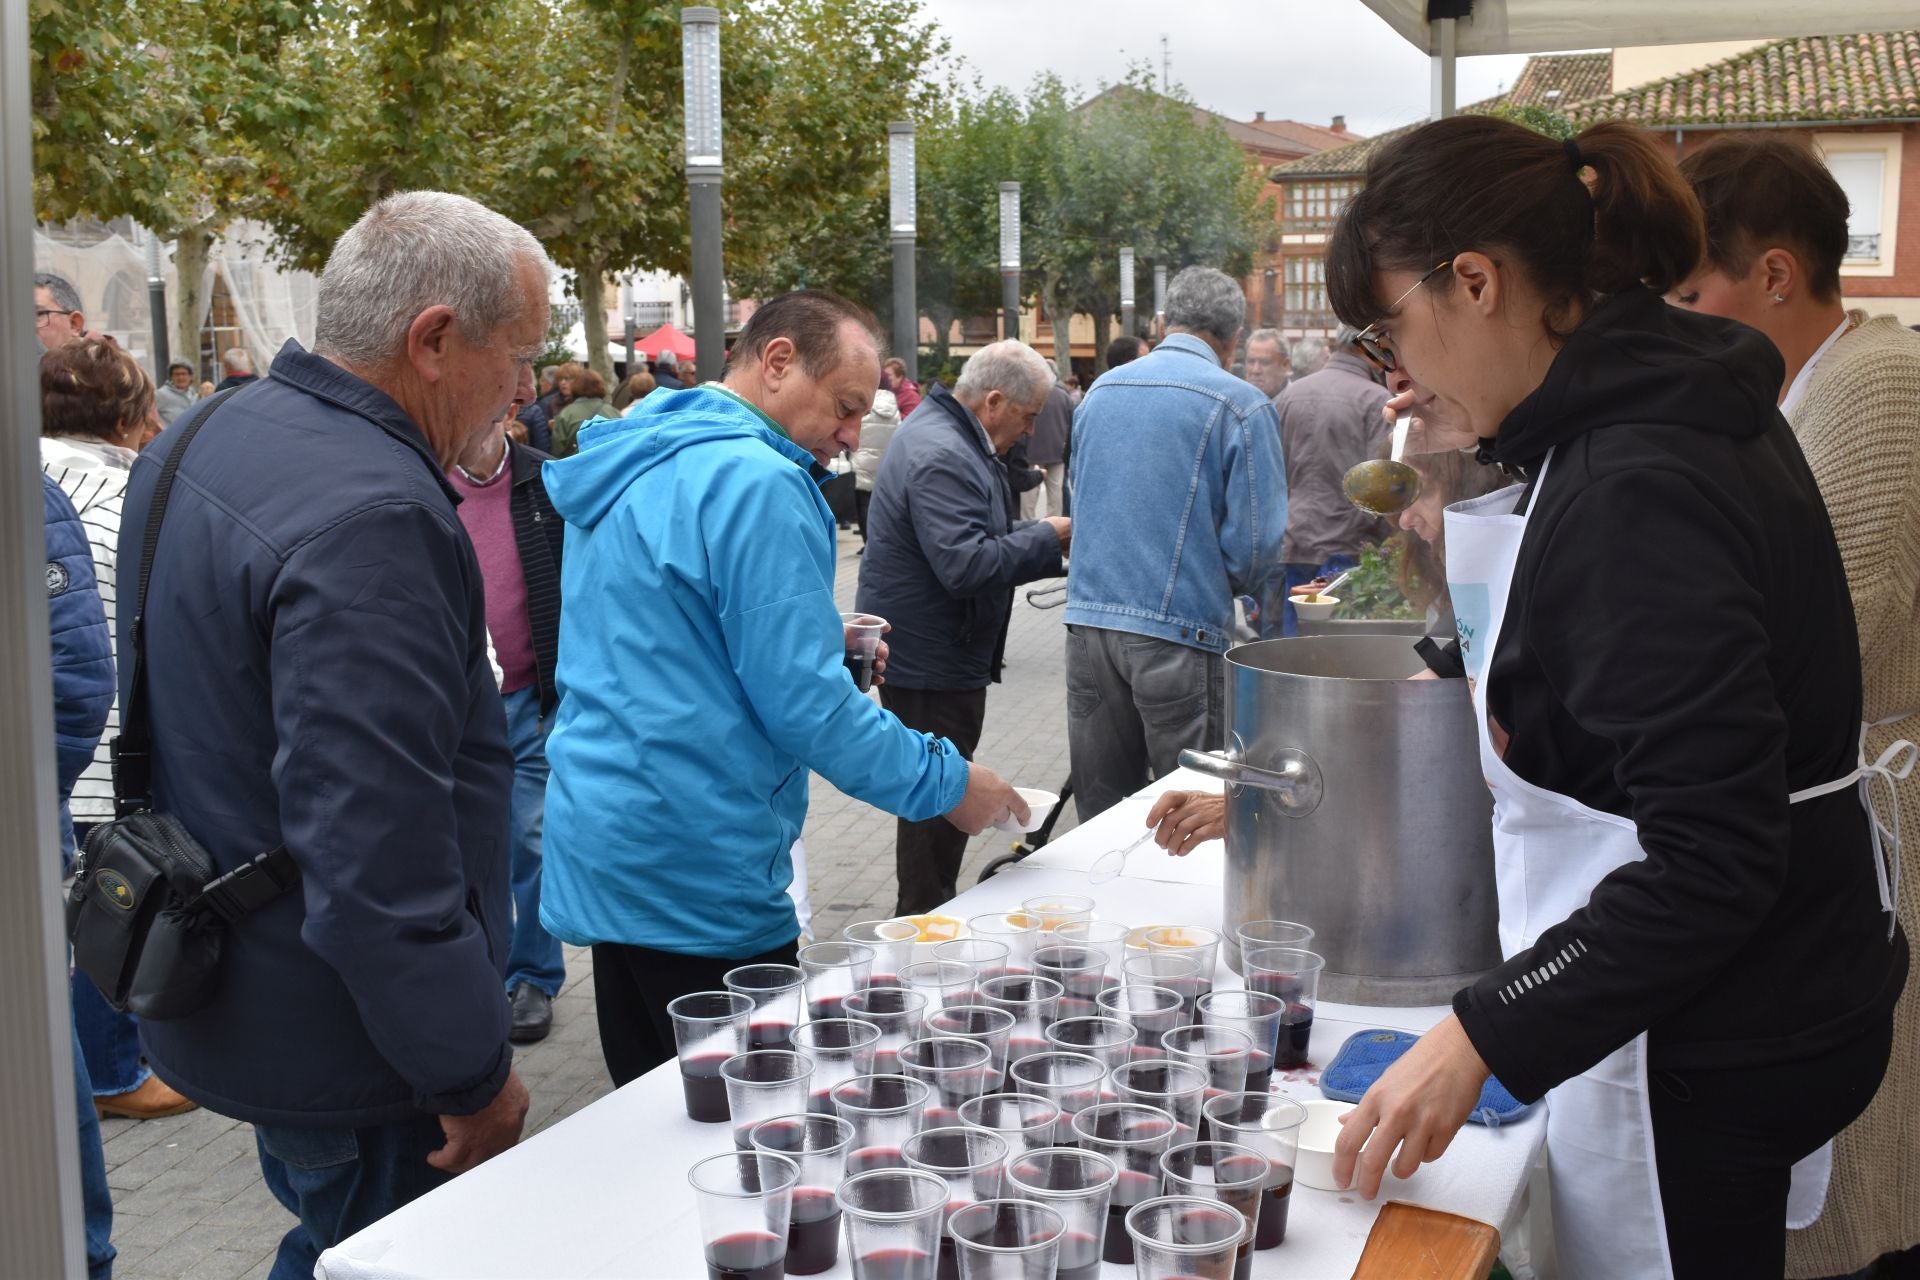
1133	702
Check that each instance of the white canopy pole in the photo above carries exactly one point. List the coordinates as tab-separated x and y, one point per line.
1446	52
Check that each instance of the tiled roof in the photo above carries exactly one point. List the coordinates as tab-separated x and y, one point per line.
1279	138
1308	137
1559	79
1350	161
1817	78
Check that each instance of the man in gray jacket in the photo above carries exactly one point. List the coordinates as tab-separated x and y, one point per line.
941	564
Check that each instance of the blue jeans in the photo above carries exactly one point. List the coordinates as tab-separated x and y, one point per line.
96	1199
109	1039
1297	574
534	957
339	1181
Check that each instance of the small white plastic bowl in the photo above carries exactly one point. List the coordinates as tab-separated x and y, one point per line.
1318	1134
1315	610
1039	805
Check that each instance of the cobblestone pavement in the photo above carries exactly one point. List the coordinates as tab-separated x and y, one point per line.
188	1199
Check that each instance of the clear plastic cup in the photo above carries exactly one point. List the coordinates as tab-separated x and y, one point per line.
1015	929
1255	934
1224	1053
1071	1081
972	1162
1258	1015
1194	940
1026	1121
1104	936
840	1049
897	1012
1055	909
892	943
834	971
762	1084
745	1202
1080	971
1033	1002
1224	1171
884	1111
942	982
776	991
955	1068
1110	1040
990	1026
1152	1011
818	1145
1078	1185
863	632
1184	1238
1007	1240
708	1028
1177	1088
1269	1124
987	957
1134	1137
1175	970
893	1223
1294	976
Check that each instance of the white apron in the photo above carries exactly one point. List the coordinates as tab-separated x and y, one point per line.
1549	853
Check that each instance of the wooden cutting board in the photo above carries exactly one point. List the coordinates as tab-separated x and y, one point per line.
1413	1242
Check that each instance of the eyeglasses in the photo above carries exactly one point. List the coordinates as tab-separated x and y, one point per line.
40	314
1372	347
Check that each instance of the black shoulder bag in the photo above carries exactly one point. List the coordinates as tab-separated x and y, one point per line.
146	914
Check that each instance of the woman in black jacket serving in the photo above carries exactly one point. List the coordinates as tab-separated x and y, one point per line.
1699	975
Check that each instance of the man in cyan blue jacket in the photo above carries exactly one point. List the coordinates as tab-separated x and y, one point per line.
701	674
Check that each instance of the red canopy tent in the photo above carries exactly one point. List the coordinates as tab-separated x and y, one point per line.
665	338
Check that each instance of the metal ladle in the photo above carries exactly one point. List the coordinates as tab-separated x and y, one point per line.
1385	486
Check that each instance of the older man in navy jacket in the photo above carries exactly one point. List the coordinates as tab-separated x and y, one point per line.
943	557
317	639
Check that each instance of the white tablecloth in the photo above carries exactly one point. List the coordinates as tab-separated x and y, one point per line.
604	1192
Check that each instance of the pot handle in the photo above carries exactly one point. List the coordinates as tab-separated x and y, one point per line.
1296	784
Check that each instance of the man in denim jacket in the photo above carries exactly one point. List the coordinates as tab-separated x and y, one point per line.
1180	502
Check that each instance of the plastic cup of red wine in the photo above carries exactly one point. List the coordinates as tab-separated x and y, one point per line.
840	1049
1034	1002
1292	975
1224	1053
863	632
1016	930
1055	909
1258	1015
1269	1124
1176	971
884	1110
762	1084
1026	1121
833	971
1202	943
1105	936
1134	1136
1007	1240
1109	1040
942	982
1080	971
818	1145
973	1164
708	1028
892	942
1078	1185
1184	1238
893	1221
776	991
1177	1088
1151	1011
1234	1175
987	957
899	1014
955	1068
1071	1081
991	1027
745	1202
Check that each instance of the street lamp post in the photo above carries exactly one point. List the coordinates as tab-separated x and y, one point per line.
1159	298
1010	262
700	71
626	317
900	201
1126	290
157	307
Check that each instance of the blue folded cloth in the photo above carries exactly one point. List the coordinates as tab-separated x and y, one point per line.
1367	1054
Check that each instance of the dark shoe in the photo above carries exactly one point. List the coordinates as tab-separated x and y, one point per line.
532	1014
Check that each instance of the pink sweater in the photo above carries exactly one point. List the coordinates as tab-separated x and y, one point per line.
487	511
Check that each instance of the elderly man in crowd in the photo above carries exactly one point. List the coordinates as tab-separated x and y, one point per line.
1048	451
316	618
1309	356
941	565
1267	364
239	365
702	675
56	310
1329	421
1179	498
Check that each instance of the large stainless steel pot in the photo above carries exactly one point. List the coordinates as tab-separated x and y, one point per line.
1357	807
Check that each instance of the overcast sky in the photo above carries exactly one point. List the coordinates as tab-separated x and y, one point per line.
1295	59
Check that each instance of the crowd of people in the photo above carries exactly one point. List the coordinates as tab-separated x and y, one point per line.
504	661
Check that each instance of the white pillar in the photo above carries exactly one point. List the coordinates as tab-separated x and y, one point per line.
1445	55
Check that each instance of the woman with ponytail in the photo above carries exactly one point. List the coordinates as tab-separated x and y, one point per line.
1701	964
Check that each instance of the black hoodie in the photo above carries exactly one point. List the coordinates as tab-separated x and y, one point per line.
1679	650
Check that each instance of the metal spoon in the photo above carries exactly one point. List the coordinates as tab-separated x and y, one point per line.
1327	590
1108	866
1385	486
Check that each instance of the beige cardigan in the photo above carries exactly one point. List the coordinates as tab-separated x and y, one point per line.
1860	429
